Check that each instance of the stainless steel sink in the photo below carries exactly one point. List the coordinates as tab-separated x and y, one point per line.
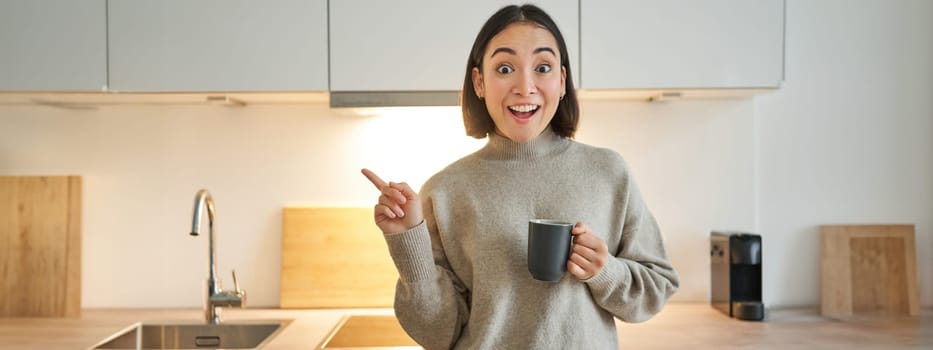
229	335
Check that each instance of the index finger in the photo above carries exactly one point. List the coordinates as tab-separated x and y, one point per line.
374	179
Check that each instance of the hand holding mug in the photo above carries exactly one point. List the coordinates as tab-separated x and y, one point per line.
399	207
589	253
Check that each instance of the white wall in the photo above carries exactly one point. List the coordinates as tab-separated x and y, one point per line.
847	139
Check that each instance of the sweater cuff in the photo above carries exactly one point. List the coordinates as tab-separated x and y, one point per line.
411	252
613	274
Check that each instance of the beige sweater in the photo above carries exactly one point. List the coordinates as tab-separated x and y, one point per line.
464	281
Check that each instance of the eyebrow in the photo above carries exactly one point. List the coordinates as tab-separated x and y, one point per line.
510	51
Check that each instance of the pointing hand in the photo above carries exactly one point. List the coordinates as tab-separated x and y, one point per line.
399	207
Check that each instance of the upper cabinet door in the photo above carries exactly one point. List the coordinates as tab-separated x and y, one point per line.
418	45
53	45
638	44
218	45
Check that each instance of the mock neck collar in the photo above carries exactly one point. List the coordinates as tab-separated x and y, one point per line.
502	148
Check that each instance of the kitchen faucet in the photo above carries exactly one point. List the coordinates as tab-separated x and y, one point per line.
216	297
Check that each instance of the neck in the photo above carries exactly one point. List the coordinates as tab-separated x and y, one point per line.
503	148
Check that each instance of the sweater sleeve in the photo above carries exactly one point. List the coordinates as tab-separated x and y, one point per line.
431	302
637	282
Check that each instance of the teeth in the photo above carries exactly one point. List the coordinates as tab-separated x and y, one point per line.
523	108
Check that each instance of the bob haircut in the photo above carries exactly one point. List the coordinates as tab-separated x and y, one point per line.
476	118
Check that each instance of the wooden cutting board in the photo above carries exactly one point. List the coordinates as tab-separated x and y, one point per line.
368	332
868	270
334	258
40	246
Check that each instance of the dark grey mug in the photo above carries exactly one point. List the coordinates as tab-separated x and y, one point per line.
548	248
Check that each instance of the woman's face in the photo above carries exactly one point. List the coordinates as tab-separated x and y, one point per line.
521	80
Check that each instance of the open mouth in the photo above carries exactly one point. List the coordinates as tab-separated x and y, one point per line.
523	112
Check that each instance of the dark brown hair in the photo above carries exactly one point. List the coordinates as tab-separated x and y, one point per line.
476	118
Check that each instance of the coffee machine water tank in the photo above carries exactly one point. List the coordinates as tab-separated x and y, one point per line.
735	274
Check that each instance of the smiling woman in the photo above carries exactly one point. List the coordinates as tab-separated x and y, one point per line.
461	245
524	56
521	81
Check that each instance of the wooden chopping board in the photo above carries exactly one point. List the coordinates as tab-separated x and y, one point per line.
368	332
868	270
40	246
334	258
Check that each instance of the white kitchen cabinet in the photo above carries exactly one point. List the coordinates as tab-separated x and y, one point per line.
56	45
418	45
672	44
217	45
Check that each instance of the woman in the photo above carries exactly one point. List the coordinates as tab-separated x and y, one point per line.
460	246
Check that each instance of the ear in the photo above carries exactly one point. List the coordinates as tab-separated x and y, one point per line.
478	83
563	80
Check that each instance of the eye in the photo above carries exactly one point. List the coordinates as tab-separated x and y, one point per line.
503	69
544	68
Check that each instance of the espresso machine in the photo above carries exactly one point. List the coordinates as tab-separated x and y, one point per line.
735	274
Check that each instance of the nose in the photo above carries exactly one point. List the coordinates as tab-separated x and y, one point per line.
525	85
